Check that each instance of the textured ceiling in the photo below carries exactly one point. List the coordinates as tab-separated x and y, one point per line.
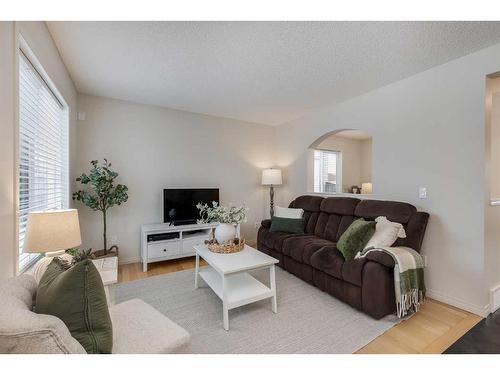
263	72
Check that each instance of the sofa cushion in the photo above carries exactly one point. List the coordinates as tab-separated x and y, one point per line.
22	330
319	229
266	223
332	227
76	296
415	230
302	248
296	243
310	219
386	233
273	240
339	205
309	203
354	239
311	206
290	213
394	211
286	225
41	265
328	260
345	222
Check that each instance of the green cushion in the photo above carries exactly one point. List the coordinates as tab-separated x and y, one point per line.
282	224
355	238
76	296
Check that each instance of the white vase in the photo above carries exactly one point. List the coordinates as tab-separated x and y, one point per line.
225	232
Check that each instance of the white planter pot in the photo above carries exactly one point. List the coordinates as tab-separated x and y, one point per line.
225	232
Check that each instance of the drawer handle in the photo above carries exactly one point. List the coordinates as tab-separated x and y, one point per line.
164	249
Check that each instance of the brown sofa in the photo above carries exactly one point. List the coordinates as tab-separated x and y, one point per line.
365	283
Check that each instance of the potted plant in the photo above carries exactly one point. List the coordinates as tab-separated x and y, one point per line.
102	195
226	217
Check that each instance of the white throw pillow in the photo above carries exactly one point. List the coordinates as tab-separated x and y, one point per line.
386	233
289	213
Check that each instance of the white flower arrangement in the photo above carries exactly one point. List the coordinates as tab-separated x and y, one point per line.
222	214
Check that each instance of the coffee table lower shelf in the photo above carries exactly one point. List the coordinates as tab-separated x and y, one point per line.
241	288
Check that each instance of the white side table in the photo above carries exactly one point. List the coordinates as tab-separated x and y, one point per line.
108	269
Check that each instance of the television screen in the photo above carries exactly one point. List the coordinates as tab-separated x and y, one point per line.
179	205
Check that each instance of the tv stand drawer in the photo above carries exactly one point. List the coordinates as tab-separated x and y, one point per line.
164	249
188	244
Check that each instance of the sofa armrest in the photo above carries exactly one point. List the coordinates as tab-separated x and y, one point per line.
381	258
266	223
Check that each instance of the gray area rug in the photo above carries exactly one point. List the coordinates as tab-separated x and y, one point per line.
308	320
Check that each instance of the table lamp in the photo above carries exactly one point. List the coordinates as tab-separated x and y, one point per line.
271	177
52	232
366	188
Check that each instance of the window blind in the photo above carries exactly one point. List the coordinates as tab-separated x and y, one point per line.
326	173
43	151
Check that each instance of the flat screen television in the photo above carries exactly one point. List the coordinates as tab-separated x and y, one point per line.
179	205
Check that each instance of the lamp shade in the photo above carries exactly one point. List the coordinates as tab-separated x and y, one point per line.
48	231
366	188
271	176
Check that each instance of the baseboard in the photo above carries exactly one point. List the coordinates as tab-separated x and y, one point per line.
461	304
494	298
129	260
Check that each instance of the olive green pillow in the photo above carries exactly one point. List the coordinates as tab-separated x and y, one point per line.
355	238
76	296
283	224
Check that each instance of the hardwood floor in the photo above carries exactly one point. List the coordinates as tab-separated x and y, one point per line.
432	330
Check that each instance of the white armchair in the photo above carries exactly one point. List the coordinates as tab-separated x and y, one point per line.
137	327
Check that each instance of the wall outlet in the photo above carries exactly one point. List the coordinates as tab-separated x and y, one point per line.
113	240
422	192
256	224
425	260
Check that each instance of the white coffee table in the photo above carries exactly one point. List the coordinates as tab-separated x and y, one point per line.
227	276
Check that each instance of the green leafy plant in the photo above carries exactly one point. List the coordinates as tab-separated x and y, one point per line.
221	214
77	255
102	193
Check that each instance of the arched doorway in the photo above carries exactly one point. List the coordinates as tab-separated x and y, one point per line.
340	162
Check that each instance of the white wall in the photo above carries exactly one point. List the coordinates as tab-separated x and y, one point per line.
420	127
39	40
492	162
153	147
493	124
495	146
366	160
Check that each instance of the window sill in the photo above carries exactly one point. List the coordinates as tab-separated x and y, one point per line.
361	196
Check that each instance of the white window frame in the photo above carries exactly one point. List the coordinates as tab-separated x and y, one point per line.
338	172
22	48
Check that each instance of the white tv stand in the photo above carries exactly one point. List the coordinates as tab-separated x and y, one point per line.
186	237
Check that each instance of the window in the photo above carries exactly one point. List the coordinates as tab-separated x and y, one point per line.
327	172
43	150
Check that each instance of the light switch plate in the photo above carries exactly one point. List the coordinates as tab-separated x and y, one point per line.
422	192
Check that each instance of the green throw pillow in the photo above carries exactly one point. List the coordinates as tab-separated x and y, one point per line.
355	238
76	296
282	224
